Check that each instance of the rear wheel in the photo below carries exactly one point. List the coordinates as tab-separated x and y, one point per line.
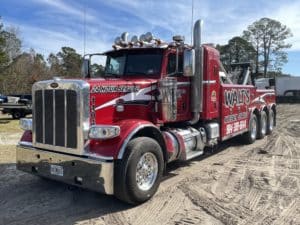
262	125
250	136
138	175
271	122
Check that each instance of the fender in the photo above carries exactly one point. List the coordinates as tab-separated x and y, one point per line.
133	131
115	147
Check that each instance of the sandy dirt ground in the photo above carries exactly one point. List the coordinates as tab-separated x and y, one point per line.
238	184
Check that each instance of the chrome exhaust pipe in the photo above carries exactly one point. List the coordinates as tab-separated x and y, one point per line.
197	88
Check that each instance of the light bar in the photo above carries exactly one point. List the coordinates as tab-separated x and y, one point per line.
144	40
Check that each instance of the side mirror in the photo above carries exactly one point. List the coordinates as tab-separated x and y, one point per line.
189	62
85	68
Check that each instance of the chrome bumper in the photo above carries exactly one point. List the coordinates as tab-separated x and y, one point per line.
87	173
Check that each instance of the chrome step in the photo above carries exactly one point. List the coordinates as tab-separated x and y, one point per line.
193	154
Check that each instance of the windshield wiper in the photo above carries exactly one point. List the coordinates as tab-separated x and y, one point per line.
137	72
112	75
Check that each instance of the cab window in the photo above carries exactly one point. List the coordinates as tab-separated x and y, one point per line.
171	67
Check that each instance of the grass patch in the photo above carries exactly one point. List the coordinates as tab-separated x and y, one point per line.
9	125
7	154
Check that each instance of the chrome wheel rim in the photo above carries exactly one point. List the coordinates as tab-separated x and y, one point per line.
263	124
271	121
146	171
253	129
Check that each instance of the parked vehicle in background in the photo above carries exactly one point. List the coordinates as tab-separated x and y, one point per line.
287	89
3	99
265	83
18	106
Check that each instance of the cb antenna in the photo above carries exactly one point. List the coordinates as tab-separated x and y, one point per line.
192	22
84	27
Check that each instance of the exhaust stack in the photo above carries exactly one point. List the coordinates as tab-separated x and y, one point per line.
197	89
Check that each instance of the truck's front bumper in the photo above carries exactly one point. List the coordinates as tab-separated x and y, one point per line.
87	173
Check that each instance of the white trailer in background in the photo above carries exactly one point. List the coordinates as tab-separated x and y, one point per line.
287	89
264	83
284	84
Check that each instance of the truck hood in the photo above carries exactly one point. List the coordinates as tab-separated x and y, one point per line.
106	93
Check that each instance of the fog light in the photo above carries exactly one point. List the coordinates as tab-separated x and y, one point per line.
26	124
104	132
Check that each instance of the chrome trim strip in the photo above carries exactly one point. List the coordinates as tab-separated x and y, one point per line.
183	83
208	81
44	113
54	119
129	137
99	157
25	143
65	116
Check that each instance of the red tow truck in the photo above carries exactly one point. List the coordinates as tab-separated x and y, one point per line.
154	102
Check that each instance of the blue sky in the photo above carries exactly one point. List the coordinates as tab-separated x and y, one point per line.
47	25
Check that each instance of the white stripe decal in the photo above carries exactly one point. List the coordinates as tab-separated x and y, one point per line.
260	99
208	81
132	96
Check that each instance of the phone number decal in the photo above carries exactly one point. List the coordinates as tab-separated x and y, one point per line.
235	127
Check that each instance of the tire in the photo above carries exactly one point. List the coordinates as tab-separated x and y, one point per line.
271	122
250	136
262	128
16	114
142	153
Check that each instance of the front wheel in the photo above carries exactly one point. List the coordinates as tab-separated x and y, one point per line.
138	175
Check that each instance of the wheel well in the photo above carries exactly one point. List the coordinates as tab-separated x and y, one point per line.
155	134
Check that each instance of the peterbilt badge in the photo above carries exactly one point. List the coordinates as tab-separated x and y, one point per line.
54	85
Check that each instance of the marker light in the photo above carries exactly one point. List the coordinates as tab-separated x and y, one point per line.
104	132
26	124
134	39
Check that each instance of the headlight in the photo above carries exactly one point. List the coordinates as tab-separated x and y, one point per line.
104	132
26	124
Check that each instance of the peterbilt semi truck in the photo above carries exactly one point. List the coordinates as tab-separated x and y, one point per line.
154	102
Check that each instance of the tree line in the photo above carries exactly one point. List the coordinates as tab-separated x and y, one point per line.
263	44
20	69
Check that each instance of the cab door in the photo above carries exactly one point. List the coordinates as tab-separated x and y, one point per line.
183	85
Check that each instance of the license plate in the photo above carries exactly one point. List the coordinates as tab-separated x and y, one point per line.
57	170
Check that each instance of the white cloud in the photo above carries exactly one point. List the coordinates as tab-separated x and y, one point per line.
48	41
65	8
64	25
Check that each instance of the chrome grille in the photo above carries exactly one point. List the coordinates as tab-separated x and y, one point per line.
56	119
61	115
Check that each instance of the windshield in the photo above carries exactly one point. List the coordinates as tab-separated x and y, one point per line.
132	63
